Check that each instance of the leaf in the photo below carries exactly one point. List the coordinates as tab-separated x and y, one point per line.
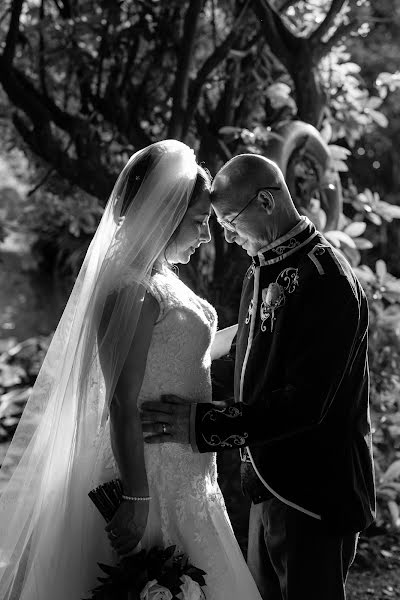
229	130
338	238
11	375
393	285
393	472
381	270
393	211
238	53
326	131
340	166
363	244
392	80
374	102
394	431
379	118
168	553
351	67
355	229
365	273
374	218
339	152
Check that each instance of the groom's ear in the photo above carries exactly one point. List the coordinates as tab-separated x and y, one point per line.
266	200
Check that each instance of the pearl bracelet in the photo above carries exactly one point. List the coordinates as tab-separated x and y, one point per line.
136	498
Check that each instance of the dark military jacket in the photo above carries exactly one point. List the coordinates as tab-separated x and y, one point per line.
301	382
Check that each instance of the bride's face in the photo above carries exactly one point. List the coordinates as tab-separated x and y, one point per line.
193	230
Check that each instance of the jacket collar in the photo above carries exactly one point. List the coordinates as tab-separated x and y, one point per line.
287	244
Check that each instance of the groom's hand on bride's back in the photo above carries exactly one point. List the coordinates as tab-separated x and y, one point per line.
166	420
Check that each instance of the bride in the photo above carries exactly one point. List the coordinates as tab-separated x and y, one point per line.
131	331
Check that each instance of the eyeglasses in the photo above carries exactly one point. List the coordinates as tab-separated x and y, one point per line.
228	224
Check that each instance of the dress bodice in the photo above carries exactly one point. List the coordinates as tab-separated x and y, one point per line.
178	362
179	357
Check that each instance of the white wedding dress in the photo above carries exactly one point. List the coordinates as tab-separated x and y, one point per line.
187	508
51	535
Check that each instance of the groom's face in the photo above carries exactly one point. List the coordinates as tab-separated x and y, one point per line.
247	229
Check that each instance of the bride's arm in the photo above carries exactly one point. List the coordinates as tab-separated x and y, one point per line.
223	341
126	434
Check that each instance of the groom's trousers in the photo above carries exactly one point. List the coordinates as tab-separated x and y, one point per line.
292	557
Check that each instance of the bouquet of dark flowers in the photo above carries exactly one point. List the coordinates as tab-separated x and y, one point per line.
156	574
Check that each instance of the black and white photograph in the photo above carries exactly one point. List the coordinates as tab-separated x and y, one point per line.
199	300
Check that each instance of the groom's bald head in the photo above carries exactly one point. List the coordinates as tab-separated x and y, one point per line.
243	175
252	202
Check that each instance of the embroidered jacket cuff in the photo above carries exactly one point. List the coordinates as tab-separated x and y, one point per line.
220	428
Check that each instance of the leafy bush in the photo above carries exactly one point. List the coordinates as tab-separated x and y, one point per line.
19	367
62	226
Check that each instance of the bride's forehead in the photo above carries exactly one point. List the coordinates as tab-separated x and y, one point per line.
202	206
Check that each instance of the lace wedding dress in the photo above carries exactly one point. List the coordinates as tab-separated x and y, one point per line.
187	508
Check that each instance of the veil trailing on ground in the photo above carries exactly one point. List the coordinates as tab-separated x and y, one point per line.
52	461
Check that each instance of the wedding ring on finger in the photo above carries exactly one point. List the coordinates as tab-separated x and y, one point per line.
113	534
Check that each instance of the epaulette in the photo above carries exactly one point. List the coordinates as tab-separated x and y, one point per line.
327	261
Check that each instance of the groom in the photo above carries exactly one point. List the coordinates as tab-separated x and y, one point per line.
301	418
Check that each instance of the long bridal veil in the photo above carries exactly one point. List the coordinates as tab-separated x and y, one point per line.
47	523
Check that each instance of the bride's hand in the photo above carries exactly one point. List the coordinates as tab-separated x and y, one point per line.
127	527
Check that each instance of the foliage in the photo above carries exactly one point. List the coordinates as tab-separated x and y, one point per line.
383	292
351	110
19	366
90	83
62	226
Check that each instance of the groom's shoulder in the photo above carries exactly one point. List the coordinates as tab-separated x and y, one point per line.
323	260
323	265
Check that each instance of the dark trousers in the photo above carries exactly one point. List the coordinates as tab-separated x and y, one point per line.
292	557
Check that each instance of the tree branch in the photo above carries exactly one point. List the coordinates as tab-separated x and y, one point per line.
36	105
219	54
64	9
280	39
102	52
13	32
317	35
132	52
42	65
87	172
5	14
181	86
